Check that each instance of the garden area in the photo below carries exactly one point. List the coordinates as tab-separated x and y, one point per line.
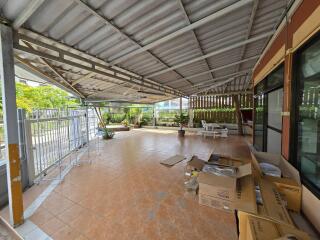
128	116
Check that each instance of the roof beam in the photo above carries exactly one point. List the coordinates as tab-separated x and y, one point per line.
105	90
181	31
194	35
135	79
205	89
119	31
29	67
57	73
238	44
26	13
214	69
81	79
252	17
132	80
210	81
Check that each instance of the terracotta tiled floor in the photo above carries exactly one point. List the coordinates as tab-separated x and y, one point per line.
127	194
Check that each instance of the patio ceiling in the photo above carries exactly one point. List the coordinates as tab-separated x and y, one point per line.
142	51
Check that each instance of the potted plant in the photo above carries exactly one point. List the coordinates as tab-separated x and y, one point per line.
182	120
107	133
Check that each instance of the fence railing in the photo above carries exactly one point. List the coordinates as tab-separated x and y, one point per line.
52	135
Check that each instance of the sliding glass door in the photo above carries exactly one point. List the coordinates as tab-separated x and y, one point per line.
274	127
259	119
306	121
268	101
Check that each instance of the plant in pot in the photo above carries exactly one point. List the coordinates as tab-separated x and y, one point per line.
107	133
181	120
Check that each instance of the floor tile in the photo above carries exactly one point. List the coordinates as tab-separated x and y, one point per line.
127	194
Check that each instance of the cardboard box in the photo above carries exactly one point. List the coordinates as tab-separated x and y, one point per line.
273	207
271	221
228	160
289	185
221	191
196	163
254	228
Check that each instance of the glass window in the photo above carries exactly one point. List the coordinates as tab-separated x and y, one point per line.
308	114
275	101
274	141
259	122
311	60
275	79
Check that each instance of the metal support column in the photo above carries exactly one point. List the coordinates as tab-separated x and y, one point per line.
154	118
180	105
10	125
88	131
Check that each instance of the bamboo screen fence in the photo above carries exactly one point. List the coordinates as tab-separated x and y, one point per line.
218	108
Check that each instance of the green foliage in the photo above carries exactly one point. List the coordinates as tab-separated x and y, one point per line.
215	110
126	110
145	120
107	133
197	122
181	119
165	117
106	117
117	117
30	98
135	115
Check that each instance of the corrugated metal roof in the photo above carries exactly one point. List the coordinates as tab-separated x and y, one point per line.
111	49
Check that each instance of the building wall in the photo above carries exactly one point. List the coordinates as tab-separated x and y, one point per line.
300	26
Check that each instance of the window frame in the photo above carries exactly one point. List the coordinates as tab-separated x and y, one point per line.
294	113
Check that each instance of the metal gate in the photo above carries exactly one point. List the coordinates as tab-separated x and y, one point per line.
46	137
53	134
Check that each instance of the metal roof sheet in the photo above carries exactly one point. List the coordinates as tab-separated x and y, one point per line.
111	49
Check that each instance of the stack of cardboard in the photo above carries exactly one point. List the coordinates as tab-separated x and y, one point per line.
288	185
267	219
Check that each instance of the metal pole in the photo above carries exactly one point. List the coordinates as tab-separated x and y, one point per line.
39	157
59	145
10	126
154	117
87	128
21	113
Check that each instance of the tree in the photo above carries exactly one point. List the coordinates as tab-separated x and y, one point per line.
30	98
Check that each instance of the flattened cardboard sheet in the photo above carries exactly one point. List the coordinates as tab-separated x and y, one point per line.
173	160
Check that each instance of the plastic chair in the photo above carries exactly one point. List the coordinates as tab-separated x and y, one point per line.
224	132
